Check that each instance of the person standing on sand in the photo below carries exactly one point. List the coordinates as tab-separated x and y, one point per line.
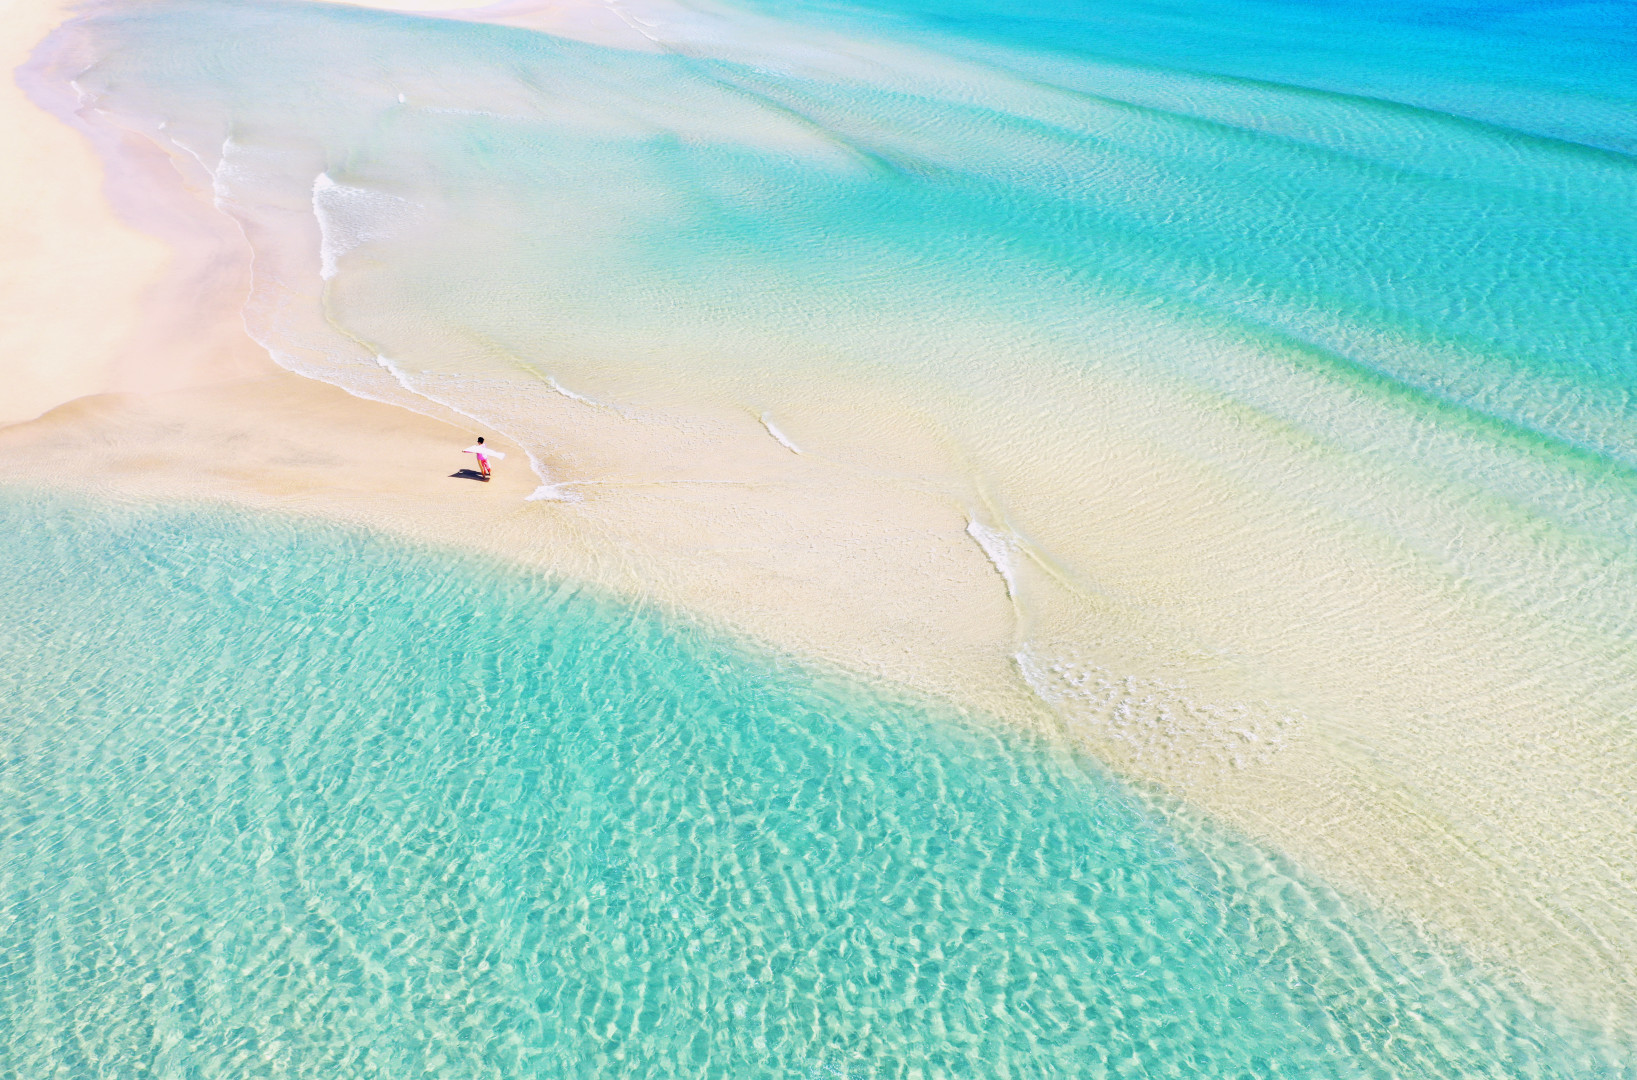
483	454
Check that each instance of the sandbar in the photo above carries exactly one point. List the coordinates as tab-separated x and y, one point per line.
130	376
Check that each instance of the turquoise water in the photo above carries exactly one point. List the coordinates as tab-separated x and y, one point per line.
1401	235
1290	341
1561	70
280	800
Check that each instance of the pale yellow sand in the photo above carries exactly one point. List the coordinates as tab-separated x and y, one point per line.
645	532
1442	822
71	275
1419	766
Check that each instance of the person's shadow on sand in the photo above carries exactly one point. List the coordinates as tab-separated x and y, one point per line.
466	474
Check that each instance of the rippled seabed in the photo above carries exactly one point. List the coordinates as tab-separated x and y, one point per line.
278	800
992	212
1103	279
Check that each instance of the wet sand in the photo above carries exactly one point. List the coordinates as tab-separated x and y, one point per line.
134	352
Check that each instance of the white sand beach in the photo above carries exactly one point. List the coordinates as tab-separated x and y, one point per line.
128	375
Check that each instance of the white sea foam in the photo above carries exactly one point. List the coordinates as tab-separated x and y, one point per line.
559	388
1004	549
398	375
349	217
551	492
783	439
239	174
547	491
645	28
1161	725
1166	726
220	188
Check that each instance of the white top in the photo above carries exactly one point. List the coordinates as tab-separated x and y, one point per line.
484	452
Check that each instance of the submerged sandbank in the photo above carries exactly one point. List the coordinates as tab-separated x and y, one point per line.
1317	682
409	813
911	601
642	528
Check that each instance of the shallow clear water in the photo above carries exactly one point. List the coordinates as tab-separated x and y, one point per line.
904	189
278	800
1385	273
1278	353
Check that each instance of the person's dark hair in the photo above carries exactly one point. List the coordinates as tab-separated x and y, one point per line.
480	440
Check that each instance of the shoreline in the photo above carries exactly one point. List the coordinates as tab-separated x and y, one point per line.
270	442
718	514
74	272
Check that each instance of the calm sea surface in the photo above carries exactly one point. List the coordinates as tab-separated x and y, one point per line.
279	800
